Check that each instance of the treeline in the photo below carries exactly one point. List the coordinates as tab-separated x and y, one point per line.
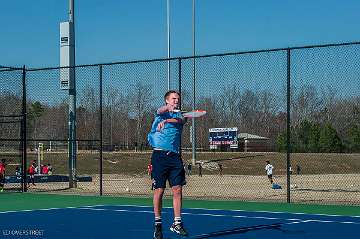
320	121
127	117
312	137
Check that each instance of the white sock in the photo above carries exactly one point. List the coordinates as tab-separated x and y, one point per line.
177	220
158	220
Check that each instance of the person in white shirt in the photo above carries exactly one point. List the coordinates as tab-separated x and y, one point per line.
269	171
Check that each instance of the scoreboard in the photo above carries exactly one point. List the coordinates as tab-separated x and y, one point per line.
223	136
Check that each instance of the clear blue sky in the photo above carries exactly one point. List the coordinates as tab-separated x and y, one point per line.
118	30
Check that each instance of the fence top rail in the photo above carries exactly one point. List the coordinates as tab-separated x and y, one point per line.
11	116
199	56
3	69
10	67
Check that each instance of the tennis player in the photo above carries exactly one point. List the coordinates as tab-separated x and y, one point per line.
164	138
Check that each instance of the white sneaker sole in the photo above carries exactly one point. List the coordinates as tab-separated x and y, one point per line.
173	230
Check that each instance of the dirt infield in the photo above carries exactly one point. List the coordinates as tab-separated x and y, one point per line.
323	189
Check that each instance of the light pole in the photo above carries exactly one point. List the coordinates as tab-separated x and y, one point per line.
193	129
168	41
72	100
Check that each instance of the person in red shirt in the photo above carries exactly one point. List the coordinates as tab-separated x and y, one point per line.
31	172
2	174
45	169
150	167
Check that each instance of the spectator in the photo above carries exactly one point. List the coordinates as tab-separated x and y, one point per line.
50	169
298	169
45	169
220	169
189	169
31	172
200	170
269	171
150	168
2	174
18	172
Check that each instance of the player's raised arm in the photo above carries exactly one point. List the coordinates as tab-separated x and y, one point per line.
172	120
166	108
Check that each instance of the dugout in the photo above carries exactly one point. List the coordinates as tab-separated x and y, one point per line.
253	143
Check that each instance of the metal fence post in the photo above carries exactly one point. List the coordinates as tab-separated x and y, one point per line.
23	133
179	73
180	80
288	144
101	130
193	127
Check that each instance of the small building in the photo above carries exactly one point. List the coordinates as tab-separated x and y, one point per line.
253	143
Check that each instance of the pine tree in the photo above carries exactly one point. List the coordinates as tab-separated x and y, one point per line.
313	143
329	140
354	139
281	142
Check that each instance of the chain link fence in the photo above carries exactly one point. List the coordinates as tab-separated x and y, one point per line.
252	100
12	123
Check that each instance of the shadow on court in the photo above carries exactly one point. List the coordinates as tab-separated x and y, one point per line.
237	230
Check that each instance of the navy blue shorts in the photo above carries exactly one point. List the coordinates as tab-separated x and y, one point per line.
167	166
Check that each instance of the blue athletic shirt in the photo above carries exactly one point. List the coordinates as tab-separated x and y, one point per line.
168	138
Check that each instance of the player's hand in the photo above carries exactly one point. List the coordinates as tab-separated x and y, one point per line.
161	125
171	108
167	108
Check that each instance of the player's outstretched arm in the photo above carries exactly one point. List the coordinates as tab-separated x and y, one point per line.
174	120
165	108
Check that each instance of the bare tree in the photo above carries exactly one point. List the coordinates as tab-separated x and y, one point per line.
88	120
140	100
305	104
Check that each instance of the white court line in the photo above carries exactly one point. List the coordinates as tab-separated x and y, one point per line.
96	206
49	209
274	212
40	209
293	220
92	207
189	213
212	209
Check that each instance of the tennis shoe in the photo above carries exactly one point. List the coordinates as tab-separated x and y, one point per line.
179	229
158	232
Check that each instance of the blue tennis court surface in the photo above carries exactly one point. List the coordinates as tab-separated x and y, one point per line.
137	222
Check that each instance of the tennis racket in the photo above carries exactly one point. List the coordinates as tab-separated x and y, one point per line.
192	113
